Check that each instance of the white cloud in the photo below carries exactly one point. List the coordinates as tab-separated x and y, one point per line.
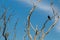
44	7
58	28
41	6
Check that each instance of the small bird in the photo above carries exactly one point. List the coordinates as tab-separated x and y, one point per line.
49	17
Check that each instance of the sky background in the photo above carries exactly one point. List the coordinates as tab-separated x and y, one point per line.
20	10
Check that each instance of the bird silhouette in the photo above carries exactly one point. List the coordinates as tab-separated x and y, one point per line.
49	17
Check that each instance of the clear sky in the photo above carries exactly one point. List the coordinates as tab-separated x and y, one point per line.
20	10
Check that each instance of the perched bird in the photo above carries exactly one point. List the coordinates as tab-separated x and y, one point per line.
49	17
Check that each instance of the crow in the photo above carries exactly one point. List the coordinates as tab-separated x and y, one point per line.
49	17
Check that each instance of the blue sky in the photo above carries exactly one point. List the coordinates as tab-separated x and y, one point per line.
20	10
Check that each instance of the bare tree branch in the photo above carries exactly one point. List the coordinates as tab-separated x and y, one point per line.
4	17
52	26
36	33
32	27
15	29
28	29
31	11
43	27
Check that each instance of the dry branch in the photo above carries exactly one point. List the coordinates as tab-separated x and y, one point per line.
37	32
4	18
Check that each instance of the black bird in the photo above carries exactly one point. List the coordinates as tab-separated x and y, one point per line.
49	17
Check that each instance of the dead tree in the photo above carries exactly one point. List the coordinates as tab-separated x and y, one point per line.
15	29
5	21
37	32
4	29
